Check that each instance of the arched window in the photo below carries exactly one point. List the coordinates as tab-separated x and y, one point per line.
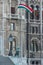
32	14
34	45
34	29
35	62
37	12
12	45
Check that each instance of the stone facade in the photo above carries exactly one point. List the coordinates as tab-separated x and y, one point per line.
13	30
11	24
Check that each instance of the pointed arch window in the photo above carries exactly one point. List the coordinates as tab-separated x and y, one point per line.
37	12
35	46
35	29
32	14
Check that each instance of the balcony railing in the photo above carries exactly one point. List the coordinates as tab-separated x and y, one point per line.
17	16
13	16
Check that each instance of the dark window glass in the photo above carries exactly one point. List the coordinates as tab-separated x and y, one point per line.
37	15
36	29
12	10
42	15
37	7
36	45
33	45
13	26
36	62
32	14
32	29
32	62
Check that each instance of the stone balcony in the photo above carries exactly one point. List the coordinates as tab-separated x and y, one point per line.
13	16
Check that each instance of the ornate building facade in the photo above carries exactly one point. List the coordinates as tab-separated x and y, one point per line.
13	30
36	33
